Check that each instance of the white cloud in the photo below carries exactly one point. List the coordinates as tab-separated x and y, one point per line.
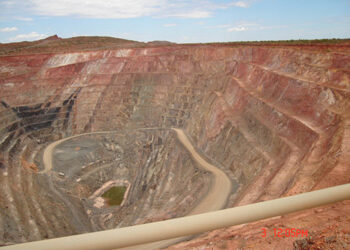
243	26
220	26
237	28
243	4
25	19
124	9
9	29
8	3
97	9
169	25
192	14
27	37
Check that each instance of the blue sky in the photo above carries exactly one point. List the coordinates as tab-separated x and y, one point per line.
180	21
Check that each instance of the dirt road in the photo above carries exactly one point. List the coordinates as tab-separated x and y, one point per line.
221	184
214	200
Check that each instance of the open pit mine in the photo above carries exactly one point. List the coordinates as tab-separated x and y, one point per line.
101	133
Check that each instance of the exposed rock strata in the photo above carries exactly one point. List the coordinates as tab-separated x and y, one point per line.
274	118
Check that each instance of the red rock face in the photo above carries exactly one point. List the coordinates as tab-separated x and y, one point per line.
275	117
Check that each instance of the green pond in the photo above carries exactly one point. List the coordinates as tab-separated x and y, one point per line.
114	195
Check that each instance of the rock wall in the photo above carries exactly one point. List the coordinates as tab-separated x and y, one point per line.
274	118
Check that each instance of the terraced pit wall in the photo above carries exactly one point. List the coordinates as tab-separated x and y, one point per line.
275	118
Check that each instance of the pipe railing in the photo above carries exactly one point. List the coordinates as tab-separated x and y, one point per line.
194	224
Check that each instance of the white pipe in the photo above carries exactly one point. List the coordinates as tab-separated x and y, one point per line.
145	233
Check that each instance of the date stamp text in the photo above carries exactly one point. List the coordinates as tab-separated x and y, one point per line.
284	232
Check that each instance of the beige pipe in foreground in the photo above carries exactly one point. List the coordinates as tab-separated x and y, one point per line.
140	234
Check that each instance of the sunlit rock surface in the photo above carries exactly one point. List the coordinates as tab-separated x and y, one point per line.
274	117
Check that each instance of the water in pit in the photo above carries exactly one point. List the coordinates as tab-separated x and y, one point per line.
114	195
